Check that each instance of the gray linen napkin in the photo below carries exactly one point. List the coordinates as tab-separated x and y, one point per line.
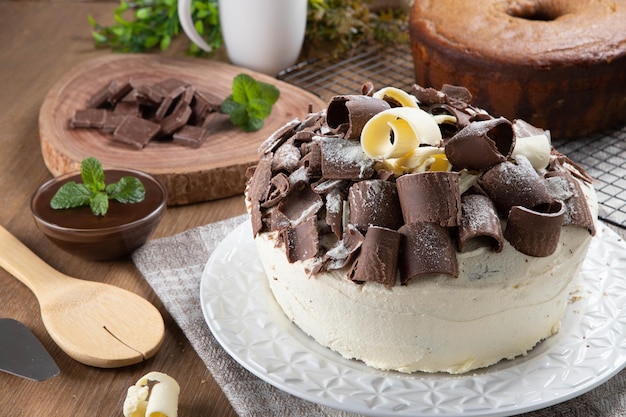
173	267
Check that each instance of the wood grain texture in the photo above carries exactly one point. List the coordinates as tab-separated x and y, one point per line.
215	170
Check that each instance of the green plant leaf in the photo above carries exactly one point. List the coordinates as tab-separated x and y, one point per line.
127	190
70	195
99	203
92	174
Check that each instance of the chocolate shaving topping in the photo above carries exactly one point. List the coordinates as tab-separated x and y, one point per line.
343	253
374	203
378	258
523	129
278	137
286	158
481	145
535	233
300	205
353	111
301	241
514	184
430	197
480	224
334	211
562	186
279	189
344	159
428	249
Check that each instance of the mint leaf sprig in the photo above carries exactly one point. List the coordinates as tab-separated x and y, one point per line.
94	192
250	103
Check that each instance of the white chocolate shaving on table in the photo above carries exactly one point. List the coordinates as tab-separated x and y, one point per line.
401	96
536	149
154	395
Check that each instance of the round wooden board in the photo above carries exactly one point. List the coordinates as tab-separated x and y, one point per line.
215	170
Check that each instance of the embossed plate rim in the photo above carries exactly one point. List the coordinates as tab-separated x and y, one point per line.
242	314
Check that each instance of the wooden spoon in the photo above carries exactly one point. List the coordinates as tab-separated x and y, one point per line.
95	323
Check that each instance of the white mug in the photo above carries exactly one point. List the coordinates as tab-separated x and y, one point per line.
263	35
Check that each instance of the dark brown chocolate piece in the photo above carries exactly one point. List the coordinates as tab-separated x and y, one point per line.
112	120
127	108
170	86
279	189
101	97
353	111
136	131
301	204
432	197
374	203
481	145
119	93
344	159
286	158
480	224
523	129
176	120
428	96
343	253
312	161
278	137
535	233
192	136
514	184
301	241
378	258
88	118
334	203
562	186
427	249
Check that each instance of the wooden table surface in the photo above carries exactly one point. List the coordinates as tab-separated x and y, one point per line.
39	41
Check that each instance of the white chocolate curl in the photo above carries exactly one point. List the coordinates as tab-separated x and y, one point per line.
402	97
396	132
535	148
154	395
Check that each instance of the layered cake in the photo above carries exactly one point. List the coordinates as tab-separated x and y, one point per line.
556	64
413	231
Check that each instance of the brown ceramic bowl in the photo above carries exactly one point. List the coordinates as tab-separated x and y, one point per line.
124	227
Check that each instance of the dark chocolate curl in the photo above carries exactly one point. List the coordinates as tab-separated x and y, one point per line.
279	189
562	186
301	241
278	137
286	158
378	259
432	197
353	110
514	184
344	159
481	145
334	211
374	203
428	249
535	233
480	224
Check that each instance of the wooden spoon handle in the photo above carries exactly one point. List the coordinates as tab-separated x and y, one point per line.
27	267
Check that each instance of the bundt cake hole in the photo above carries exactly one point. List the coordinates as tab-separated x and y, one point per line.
542	10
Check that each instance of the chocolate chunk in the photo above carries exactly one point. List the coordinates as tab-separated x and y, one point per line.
192	136
127	108
344	159
120	92
312	160
170	86
458	94
148	95
301	204
176	120
428	96
135	131
112	120
374	203
481	145
378	258
514	184
353	111
535	233
562	186
430	197
427	249
480	224
301	241
88	118
101	97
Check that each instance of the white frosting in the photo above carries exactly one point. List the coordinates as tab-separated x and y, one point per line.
500	306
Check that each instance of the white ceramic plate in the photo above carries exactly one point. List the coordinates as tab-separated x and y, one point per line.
590	348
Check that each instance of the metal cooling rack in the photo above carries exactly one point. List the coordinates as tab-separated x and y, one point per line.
602	155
